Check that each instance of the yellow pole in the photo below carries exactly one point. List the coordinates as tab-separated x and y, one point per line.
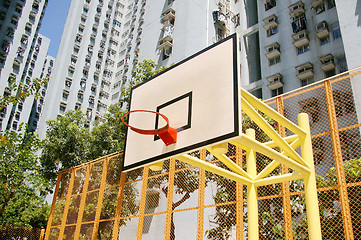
313	214
252	204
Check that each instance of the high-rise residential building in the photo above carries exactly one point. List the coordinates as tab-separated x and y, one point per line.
284	44
37	107
22	53
289	44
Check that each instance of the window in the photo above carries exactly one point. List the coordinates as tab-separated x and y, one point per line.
272	31
306	81
274	60
166	52
68	82
269	4
341	63
15	125
82	83
3	15
65	95
335	31
344	103
330	73
277	91
320	8
77	106
10	32
62	107
28	27
14	20
17	116
311	107
303	49
80	95
89	113
257	93
91	100
78	38
318	150
330	4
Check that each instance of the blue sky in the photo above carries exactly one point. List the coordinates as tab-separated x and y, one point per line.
53	23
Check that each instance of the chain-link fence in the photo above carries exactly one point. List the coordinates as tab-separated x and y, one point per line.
16	232
97	201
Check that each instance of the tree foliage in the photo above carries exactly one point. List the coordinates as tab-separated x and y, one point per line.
22	187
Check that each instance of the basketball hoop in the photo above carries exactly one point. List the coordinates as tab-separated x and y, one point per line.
166	133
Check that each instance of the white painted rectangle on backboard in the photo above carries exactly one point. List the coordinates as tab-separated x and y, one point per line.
201	98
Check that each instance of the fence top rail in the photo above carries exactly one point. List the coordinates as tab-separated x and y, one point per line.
120	153
309	87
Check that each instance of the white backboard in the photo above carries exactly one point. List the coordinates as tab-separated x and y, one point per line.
201	98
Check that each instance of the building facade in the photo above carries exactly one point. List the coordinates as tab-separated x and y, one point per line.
283	46
22	53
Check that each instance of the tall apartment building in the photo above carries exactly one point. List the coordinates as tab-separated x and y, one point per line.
284	44
289	44
22	53
104	39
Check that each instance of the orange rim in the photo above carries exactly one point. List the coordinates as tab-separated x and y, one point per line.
146	131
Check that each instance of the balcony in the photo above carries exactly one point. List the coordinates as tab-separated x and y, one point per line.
165	42
327	63
270	22
275	81
316	3
301	39
273	51
322	30
297	9
305	71
168	15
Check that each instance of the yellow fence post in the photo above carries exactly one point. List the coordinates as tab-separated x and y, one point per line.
47	232
313	214
82	201
169	211
239	197
143	199
340	171
100	199
119	206
67	203
201	190
252	201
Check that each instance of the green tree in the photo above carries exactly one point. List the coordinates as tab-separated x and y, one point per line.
330	206
21	186
142	71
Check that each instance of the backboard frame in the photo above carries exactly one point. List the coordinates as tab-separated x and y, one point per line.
209	142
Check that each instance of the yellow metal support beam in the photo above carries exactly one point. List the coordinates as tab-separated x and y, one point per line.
230	164
289	139
313	214
245	141
270	167
256	103
212	168
279	179
252	200
267	170
262	123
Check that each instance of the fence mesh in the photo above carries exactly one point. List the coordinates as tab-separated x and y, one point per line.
96	200
15	232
